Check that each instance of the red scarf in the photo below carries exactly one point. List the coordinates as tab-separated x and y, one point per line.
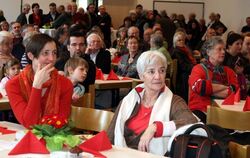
188	53
53	86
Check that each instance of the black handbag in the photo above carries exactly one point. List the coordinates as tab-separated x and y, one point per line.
194	146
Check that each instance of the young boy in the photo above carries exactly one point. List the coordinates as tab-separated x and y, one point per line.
76	70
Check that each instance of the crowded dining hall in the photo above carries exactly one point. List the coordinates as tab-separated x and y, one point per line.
112	78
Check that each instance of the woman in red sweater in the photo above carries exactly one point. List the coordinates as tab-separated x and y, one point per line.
39	90
210	79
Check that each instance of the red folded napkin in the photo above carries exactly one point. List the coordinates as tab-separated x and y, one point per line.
247	104
4	130
99	74
112	76
97	143
229	100
237	96
126	78
116	59
29	144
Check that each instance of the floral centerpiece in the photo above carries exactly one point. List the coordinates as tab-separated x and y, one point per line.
55	131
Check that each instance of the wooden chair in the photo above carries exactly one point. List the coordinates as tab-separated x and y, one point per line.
88	99
174	74
90	119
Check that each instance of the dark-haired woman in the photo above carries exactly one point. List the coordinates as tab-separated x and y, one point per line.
39	90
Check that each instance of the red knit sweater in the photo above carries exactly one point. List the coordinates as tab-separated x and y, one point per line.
29	113
199	100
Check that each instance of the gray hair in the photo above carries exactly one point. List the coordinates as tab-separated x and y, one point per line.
177	35
157	40
210	44
149	58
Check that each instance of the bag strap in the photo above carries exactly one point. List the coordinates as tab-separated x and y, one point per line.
206	70
204	148
195	126
180	147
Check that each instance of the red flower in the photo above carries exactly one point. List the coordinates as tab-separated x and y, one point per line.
54	120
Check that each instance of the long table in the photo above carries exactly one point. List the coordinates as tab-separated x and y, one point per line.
115	152
229	116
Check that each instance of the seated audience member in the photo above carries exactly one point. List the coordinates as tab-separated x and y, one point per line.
22	19
134	31
220	28
156	43
2	18
148	116
98	55
26	39
6	46
61	36
11	69
233	49
4	26
208	34
39	90
185	63
18	48
76	48
210	79
104	22
120	42
35	18
127	65
76	70
246	28
146	37
52	15
245	53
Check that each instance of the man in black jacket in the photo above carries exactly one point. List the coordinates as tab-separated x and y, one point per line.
76	48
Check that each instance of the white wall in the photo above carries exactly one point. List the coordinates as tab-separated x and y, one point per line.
233	12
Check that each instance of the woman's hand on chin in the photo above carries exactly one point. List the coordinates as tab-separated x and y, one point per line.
42	75
146	138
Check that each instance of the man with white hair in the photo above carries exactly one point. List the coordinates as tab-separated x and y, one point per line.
22	17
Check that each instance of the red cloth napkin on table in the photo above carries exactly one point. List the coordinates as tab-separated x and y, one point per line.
99	74
237	96
4	130
97	143
247	104
112	76
229	100
1	95
29	144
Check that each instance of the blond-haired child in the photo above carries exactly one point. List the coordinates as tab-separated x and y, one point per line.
76	70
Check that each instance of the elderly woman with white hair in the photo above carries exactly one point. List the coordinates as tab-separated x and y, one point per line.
185	63
98	54
150	113
6	46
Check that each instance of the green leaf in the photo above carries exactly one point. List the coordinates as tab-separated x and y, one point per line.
54	143
72	141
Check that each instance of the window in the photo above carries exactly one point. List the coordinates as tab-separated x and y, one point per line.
84	3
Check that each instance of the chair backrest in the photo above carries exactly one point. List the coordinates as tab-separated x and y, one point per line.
236	120
174	74
90	119
88	99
